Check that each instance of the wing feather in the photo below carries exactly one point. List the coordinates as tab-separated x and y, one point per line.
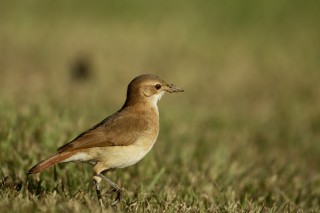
115	130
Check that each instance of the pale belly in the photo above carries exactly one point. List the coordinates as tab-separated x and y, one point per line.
120	157
114	156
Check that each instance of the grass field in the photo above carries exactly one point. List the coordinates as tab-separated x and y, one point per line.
244	137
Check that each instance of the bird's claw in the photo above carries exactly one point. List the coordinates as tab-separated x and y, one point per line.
118	197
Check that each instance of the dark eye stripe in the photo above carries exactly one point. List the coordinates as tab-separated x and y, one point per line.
157	86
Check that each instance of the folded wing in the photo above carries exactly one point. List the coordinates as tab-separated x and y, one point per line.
115	130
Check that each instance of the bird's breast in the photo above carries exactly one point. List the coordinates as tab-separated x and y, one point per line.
151	122
123	156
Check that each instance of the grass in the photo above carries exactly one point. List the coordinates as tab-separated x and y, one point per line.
244	137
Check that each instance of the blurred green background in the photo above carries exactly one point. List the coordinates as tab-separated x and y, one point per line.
244	136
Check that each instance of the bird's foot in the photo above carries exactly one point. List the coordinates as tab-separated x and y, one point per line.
118	192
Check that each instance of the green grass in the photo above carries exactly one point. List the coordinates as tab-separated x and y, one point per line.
244	137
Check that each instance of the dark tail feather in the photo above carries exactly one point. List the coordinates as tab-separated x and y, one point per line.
49	162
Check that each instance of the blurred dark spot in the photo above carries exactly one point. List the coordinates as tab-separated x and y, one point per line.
9	183
18	186
81	69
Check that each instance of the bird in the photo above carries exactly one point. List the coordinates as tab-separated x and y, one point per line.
120	140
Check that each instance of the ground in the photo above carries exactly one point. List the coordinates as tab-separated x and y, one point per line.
244	137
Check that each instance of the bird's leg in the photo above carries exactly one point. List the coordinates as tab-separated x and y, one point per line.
96	181
115	186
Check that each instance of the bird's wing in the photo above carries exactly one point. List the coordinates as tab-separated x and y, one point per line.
119	129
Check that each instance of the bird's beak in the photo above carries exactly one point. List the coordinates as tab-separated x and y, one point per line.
173	88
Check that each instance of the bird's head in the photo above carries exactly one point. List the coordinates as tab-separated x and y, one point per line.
149	88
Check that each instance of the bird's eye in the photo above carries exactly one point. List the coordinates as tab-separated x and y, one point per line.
157	86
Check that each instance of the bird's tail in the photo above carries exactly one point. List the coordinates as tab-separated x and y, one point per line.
57	158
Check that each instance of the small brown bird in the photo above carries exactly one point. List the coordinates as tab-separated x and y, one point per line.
120	140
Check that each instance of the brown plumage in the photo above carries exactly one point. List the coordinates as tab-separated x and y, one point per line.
121	139
57	158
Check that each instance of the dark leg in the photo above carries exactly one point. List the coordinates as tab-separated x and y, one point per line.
96	183
115	186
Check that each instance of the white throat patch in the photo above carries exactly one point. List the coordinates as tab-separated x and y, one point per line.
157	98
